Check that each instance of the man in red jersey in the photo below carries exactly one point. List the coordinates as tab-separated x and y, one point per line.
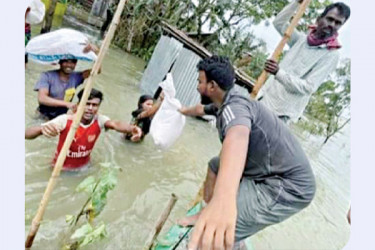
87	133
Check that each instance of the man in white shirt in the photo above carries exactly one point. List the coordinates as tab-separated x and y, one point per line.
306	65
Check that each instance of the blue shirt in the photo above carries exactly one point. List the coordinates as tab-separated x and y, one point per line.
57	89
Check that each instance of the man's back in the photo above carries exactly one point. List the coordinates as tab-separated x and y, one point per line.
273	151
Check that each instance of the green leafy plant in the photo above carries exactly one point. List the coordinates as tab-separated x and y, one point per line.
87	234
97	187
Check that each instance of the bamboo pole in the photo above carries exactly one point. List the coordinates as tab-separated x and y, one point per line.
160	223
198	197
279	49
61	158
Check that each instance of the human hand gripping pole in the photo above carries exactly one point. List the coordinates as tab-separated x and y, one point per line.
279	49
61	158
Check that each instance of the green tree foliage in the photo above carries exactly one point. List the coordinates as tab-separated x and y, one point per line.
328	109
229	21
256	65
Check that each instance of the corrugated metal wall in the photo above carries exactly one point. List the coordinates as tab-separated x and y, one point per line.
165	53
185	76
170	53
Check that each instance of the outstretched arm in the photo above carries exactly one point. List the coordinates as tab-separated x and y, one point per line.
49	129
215	227
153	109
124	127
33	132
90	47
197	110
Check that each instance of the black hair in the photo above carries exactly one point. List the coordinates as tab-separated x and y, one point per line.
158	92
142	99
343	9
64	60
218	69
94	94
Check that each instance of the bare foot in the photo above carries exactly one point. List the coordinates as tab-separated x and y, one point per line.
189	220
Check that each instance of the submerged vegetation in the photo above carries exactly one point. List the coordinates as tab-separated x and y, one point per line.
97	188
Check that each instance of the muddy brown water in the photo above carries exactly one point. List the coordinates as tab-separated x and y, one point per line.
149	176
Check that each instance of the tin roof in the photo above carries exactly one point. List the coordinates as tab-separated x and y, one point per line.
242	78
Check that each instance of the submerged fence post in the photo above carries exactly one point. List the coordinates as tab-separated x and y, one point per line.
160	223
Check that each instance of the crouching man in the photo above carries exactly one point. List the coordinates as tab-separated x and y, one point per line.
261	177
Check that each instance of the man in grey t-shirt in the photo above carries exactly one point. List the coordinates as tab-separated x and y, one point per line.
262	175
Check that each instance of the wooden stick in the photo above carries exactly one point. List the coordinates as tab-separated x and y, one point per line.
279	49
198	197
160	223
61	158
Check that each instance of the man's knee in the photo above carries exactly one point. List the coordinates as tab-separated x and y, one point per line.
213	164
210	181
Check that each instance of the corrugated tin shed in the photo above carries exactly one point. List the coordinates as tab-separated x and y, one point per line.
180	57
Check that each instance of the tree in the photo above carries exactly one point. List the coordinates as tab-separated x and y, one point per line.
328	110
47	23
256	65
229	21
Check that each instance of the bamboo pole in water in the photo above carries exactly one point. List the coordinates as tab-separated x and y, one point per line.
279	49
160	223
198	197
61	158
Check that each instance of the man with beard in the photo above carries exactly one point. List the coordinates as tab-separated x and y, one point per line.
87	133
310	59
261	177
56	88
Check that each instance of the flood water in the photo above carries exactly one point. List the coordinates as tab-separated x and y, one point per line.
149	176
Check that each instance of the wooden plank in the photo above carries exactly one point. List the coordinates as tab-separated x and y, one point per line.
242	78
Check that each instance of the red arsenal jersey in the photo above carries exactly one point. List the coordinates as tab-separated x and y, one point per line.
84	140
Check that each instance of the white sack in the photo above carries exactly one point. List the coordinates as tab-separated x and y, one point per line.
37	11
59	44
168	122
